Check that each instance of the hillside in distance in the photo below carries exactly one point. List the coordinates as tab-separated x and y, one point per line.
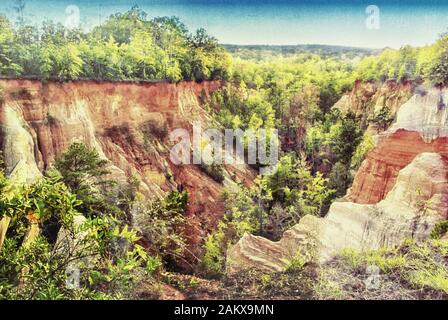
260	52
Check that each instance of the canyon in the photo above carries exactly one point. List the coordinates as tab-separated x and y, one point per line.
128	124
399	192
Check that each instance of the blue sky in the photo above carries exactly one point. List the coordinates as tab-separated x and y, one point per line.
272	22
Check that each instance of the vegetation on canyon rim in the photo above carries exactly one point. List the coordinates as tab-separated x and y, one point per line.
292	92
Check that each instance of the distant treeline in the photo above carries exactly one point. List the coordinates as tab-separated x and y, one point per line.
264	52
127	46
429	63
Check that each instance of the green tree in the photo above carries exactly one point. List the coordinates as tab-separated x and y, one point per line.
438	73
345	141
85	173
382	119
35	260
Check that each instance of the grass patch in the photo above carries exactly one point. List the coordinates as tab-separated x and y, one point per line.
439	230
421	266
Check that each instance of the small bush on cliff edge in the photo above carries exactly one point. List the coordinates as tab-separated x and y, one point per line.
86	175
162	224
215	171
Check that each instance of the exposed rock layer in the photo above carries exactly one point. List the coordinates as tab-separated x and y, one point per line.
418	200
367	98
127	123
400	190
421	126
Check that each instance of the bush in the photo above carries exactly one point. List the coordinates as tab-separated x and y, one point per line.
87	176
162	224
440	229
93	258
214	258
367	144
153	128
215	171
241	217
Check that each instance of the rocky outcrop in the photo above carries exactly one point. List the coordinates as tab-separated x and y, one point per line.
421	126
399	192
367	98
418	200
377	174
128	123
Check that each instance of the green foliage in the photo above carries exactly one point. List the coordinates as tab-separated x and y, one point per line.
340	179
85	173
215	171
346	139
78	165
297	262
427	63
333	141
241	217
440	229
382	119
385	259
438	73
46	238
162	223
390	64
127	46
419	265
300	192
215	246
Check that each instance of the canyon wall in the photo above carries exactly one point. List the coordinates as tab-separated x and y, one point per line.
127	123
399	192
421	125
367	98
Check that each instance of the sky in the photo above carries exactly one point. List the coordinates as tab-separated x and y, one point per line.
282	22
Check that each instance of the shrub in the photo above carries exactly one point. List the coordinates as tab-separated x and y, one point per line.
162	224
439	230
419	266
86	175
35	265
214	258
241	217
215	171
366	145
297	262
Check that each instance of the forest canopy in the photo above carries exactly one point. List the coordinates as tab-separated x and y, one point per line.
127	46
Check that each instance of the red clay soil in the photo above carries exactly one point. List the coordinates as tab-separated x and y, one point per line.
113	116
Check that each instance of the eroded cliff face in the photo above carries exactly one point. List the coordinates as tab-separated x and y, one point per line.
421	126
367	98
399	192
418	200
127	123
378	173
